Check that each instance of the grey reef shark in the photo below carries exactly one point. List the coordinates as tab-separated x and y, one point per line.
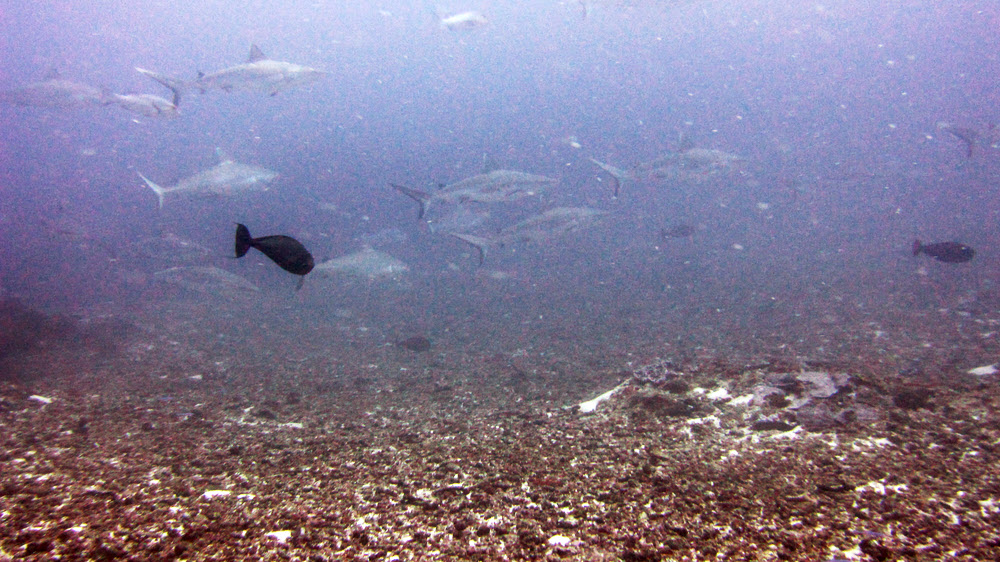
226	178
258	73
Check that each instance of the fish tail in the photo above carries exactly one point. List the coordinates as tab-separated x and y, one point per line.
917	247
243	240
480	244
159	191
618	175
175	85
107	96
421	197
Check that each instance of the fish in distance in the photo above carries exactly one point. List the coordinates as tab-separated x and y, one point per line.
948	252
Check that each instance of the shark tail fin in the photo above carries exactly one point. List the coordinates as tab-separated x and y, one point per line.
159	191
618	175
175	85
243	240
421	197
107	96
917	247
477	242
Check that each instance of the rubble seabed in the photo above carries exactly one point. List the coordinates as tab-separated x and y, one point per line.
708	464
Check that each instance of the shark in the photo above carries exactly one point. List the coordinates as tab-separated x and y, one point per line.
225	178
55	91
258	73
537	228
498	186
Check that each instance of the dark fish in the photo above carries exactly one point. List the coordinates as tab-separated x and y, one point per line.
948	252
285	251
416	344
679	231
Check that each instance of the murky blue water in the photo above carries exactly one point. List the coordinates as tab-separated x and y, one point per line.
835	109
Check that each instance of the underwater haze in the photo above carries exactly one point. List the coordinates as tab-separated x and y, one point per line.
548	194
833	107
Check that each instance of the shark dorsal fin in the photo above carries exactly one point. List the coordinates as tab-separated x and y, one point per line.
684	142
53	75
256	54
223	157
489	164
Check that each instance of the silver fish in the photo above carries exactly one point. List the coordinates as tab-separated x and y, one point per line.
148	104
498	186
541	227
145	104
171	248
210	280
464	20
55	91
690	164
226	178
462	219
367	263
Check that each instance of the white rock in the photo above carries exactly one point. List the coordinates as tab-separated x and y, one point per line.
280	536
212	494
880	488
559	540
984	370
720	393
591	405
741	400
41	399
